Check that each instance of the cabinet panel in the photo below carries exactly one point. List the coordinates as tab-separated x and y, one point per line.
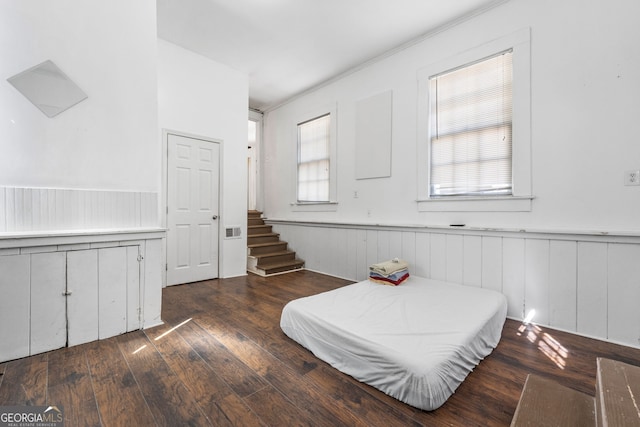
82	304
112	291
48	305
133	289
151	298
14	306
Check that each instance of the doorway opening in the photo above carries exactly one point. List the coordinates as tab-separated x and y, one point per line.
254	139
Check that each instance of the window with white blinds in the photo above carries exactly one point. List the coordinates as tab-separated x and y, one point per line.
470	128
314	159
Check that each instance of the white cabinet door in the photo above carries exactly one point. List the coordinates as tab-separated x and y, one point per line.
82	303
104	286
14	306
112	292
48	305
53	299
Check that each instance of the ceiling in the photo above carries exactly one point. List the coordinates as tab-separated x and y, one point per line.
287	47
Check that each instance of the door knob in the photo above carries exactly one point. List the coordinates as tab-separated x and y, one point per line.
214	217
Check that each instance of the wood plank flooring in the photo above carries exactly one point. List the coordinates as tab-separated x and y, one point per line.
221	359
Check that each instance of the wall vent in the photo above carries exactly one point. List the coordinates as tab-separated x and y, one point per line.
232	233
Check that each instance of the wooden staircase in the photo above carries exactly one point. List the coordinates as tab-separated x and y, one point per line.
267	254
546	403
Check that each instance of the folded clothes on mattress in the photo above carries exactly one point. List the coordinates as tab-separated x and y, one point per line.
392	279
388	267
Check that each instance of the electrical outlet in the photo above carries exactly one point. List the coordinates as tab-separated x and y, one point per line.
632	177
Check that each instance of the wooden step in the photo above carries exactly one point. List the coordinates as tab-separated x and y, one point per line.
617	393
546	403
255	221
258	229
265	248
263	238
281	267
266	253
275	257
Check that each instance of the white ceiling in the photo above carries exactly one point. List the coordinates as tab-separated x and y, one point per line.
289	46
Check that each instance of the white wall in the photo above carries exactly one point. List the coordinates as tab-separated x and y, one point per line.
201	97
585	108
110	140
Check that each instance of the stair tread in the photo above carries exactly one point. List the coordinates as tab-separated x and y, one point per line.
545	402
264	235
616	385
264	245
273	254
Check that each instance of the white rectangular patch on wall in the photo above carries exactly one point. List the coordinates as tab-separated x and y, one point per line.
373	136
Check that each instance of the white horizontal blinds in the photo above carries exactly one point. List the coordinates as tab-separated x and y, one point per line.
313	160
471	129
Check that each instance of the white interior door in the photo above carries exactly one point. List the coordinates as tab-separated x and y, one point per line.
192	216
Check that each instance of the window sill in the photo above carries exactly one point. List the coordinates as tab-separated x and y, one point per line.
314	206
476	204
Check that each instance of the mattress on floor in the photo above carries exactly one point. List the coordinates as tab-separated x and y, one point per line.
416	342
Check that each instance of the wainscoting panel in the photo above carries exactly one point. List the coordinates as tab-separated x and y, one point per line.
472	257
591	318
536	283
623	292
563	283
587	283
511	268
46	209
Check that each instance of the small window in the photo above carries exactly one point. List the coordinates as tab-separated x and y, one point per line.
470	129
314	159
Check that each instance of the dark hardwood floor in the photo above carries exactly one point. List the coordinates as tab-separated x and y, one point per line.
221	359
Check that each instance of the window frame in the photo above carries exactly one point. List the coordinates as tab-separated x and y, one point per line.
520	199
312	114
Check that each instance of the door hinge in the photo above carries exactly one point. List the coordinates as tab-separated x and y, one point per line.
166	267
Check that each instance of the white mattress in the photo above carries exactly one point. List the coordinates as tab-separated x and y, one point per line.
416	342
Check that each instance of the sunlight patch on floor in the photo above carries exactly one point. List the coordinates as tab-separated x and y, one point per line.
172	329
547	344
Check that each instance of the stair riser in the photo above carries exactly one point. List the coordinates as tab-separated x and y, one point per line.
276	258
282	269
258	229
261	239
281	246
255	221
